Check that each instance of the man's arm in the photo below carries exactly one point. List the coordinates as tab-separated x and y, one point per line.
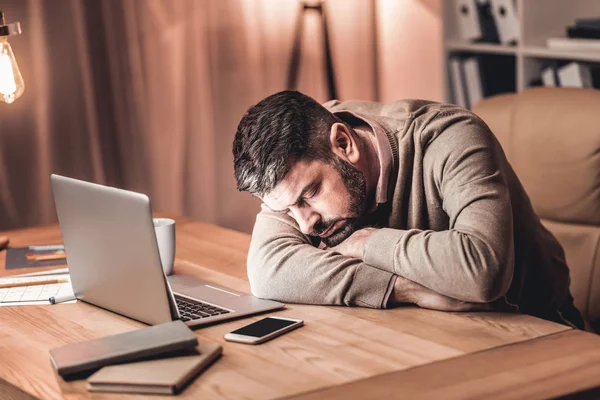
283	265
473	260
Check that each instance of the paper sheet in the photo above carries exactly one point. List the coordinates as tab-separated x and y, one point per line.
59	271
35	294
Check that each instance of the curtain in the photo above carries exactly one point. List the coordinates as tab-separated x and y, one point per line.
146	95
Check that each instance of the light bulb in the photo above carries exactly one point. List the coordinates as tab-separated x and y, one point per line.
11	81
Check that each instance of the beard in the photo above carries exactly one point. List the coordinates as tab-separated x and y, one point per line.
356	185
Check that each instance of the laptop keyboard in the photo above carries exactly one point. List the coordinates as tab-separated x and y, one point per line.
194	309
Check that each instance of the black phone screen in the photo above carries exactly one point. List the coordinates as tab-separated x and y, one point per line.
263	327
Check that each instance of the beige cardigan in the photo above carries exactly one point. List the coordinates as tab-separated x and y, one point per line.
457	221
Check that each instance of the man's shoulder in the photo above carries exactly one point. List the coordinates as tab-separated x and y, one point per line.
423	112
409	105
378	108
399	110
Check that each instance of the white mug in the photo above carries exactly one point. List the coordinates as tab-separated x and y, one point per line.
165	238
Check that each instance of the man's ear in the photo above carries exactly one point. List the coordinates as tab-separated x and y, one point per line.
343	143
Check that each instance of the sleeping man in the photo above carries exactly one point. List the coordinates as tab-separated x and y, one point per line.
376	205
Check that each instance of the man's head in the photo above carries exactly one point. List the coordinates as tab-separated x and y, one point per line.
300	159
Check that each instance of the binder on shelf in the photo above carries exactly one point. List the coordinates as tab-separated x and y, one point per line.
575	75
467	19
457	82
489	32
549	78
473	80
507	22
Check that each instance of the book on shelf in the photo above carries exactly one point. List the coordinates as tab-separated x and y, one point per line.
473	80
549	76
457	81
478	76
560	73
575	74
583	36
575	32
572	44
588	23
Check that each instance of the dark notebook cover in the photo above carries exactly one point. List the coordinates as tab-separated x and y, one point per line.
590	23
16	257
583	33
93	354
159	375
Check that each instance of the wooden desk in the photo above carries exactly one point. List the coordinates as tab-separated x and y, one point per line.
555	365
337	346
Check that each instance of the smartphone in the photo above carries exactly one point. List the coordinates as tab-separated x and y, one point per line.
263	330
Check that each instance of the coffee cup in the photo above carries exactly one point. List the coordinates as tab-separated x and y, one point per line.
165	238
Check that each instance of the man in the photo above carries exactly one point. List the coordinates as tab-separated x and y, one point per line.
377	205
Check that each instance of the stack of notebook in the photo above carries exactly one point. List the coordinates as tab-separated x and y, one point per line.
584	35
161	359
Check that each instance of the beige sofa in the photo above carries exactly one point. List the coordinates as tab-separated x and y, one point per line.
551	137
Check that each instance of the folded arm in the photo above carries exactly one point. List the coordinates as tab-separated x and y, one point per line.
284	265
473	260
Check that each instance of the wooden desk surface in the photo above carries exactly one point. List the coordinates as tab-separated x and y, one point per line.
548	367
337	345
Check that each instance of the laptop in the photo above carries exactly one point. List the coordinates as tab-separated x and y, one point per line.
114	262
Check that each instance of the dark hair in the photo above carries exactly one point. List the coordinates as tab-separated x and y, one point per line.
274	134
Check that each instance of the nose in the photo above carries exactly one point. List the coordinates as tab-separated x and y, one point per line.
306	219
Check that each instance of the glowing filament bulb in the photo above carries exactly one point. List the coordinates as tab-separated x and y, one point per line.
11	81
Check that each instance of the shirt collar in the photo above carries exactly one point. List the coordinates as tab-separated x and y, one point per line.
384	151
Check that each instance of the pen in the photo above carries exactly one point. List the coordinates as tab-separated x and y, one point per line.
47	247
61	299
57	255
35	283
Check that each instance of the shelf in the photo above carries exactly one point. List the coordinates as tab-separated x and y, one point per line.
576	55
481	47
538	21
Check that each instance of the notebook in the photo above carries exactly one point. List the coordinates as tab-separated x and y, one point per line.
33	256
131	346
156	376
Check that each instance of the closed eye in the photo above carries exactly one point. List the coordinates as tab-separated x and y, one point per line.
310	191
314	190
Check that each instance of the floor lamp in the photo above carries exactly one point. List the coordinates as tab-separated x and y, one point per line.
293	70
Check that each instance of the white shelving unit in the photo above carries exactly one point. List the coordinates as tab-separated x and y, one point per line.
539	20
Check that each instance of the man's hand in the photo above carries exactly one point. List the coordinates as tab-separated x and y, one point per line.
407	291
354	245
